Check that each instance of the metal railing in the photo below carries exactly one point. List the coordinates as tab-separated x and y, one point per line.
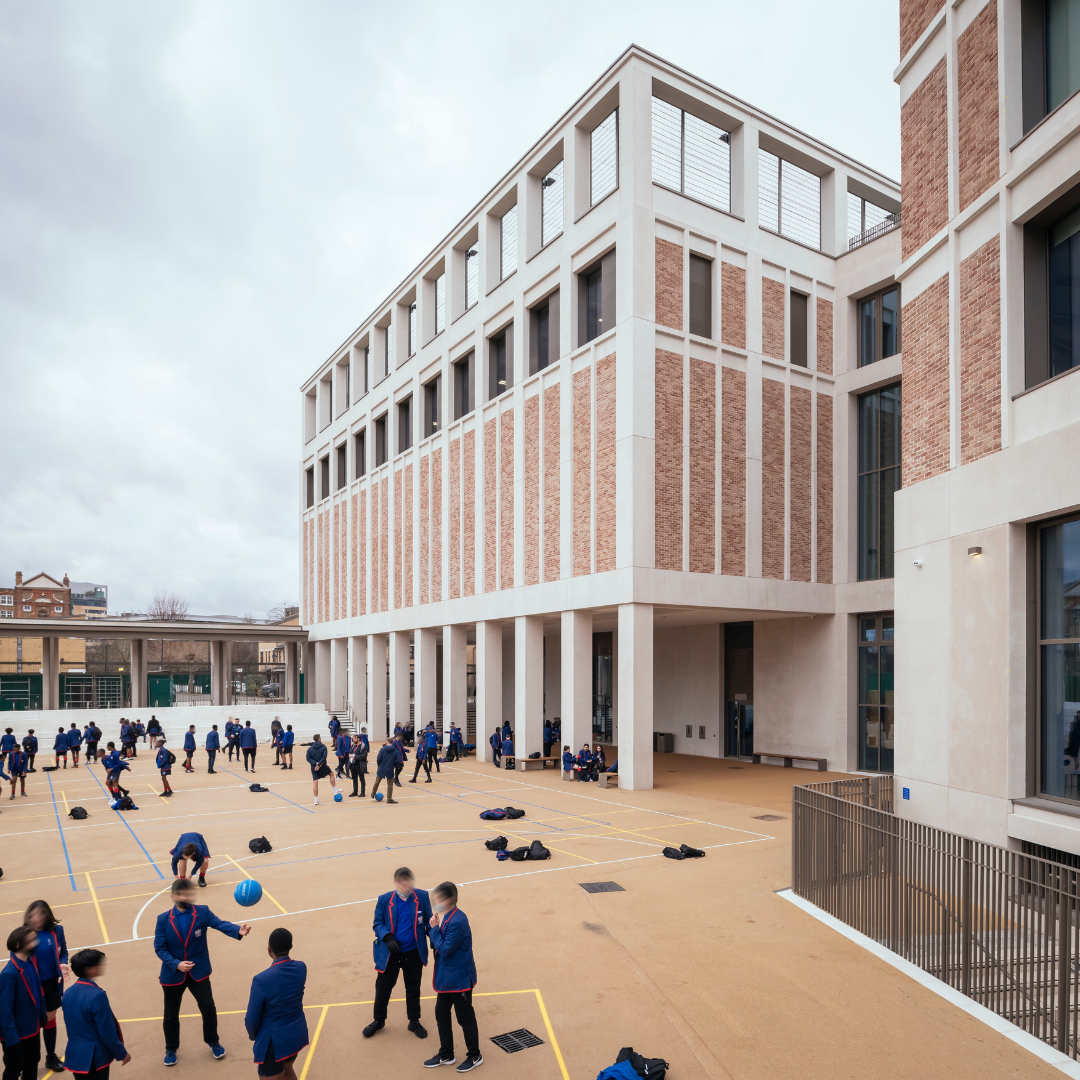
1001	927
880	229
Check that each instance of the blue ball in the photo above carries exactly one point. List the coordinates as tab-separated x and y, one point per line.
247	893
378	796
337	796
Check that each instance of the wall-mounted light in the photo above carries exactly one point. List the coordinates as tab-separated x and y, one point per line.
974	550
917	562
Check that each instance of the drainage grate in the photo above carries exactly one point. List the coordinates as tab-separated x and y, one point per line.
601	886
513	1041
769	817
734	766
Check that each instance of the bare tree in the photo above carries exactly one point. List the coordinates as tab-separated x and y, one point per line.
168	607
280	612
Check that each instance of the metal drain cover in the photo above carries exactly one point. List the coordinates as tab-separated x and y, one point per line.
601	886
513	1041
769	817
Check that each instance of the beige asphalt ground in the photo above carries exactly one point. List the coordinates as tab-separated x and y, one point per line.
698	962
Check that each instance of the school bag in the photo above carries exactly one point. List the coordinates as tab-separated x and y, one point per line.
492	815
49	768
78	813
260	845
126	803
257	787
497	843
672	853
172	758
646	1068
538	851
536	755
621	1070
513	812
691	852
501	856
518	854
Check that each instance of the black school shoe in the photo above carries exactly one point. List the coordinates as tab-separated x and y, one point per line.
418	1029
436	1061
375	1025
53	1062
470	1062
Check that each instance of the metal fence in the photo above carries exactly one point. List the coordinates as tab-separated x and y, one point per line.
880	229
999	926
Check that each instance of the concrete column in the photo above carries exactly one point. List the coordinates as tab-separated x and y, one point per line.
424	685
455	686
310	678
138	673
290	689
358	681
635	678
577	676
377	727
528	685
399	678
50	673
230	675
217	680
339	673
322	674
489	662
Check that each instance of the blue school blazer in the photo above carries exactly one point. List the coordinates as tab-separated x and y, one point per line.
213	740
249	740
74	738
383	924
275	1011
93	1033
51	952
181	935
22	1004
455	968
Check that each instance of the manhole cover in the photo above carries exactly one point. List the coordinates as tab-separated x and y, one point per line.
601	886
769	817
513	1041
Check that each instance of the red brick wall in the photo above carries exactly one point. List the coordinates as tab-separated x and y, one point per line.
342	559
824	335
733	305
924	161
605	463
320	548
977	102
436	525
552	481
801	454
334	533
669	284
702	467
355	568
980	352
772	478
376	555
362	550
925	416
915	17
397	538
582	460
824	488
425	529
531	490
491	484
468	467
668	461
733	473
772	318
384	546
306	609
506	500
453	468
407	538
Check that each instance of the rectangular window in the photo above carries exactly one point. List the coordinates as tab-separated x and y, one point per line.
309	487
594	309
1050	48
544	333
508	243
551	205
690	155
367	368
342	465
596	299
380	441
348	384
1064	293
404	419
432	392
875	692
864	216
412	328
472	277
797	317
388	349
879	479
463	392
700	296
324	477
440	303
789	200
604	158
360	450
501	362
879	325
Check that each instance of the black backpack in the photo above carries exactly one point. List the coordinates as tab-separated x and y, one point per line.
513	812
536	755
172	758
78	813
127	803
257	787
538	851
646	1068
497	843
691	852
260	845
672	853
518	854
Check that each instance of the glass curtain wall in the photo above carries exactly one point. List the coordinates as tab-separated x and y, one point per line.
876	692
879	479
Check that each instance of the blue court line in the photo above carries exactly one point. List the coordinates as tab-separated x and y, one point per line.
74	887
306	809
160	875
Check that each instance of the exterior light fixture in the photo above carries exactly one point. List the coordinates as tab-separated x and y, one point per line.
974	550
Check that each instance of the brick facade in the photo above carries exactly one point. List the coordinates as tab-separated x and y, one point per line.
361	551
668	460
468	530
977	102
733	473
772	478
407	538
436	525
772	318
669	284
980	352
582	471
506	500
824	488
915	17
342	559
353	552
453	468
924	162
605	463
800	524
491	523
306	606
824	335
397	538
376	555
925	415
531	490
733	305
702	467
552	481
425	529
384	546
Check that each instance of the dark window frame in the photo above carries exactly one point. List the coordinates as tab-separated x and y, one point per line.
501	351
381	439
404	424
1036	72
464	386
432	407
701	295
799	328
880	643
360	453
875	553
341	465
878	300
309	487
544	333
601	275
324	478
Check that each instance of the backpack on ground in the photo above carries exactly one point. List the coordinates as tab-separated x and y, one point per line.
518	854
621	1070
497	843
513	813
260	845
257	787
78	813
691	852
49	768
492	815
672	853
646	1068
501	856
538	851
126	803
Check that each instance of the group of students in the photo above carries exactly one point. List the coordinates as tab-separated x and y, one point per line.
587	764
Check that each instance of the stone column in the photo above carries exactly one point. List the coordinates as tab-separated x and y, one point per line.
339	673
635	708
230	675
528	685
138	673
424	685
217	678
290	689
577	679
489	662
358	681
455	686
50	673
377	725
399	678
322	674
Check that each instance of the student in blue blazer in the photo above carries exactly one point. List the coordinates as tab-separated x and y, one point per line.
191	846
189	747
74	741
341	749
8	743
60	748
423	759
17	764
94	1039
288	740
275	1013
213	745
400	926
50	960
454	979
180	943
431	737
164	767
22	1007
249	743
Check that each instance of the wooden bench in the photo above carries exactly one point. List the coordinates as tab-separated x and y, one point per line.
526	763
607	779
820	762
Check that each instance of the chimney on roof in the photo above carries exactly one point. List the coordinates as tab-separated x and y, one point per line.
18	577
67	582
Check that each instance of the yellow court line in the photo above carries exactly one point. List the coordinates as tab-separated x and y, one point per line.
155	791
67	809
572	854
265	893
314	1043
49	877
97	907
551	1035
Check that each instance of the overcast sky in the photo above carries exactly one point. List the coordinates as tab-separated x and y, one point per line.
200	201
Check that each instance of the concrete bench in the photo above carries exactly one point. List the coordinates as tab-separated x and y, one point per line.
526	763
820	762
608	779
568	774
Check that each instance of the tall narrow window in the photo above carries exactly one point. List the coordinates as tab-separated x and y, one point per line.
367	368
1050	45
463	393
875	691
544	333
324	477
388	349
360	450
501	362
789	200
380	441
472	277
440	303
797	316
879	325
412	328
594	310
690	155
508	243
348	383
341	465
551	205
700	295
596	299
604	158
879	479
863	217
1064	293
309	487
431	406
404	412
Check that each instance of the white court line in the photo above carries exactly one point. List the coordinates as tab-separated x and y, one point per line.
151	822
1022	1038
